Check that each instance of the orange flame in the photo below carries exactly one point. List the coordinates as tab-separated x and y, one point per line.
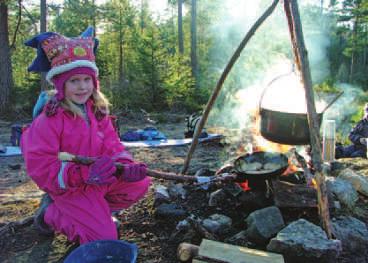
244	185
292	168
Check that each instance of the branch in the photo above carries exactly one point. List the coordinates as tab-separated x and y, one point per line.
67	157
221	81
12	46
301	56
30	17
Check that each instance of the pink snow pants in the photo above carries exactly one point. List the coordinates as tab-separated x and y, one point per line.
84	215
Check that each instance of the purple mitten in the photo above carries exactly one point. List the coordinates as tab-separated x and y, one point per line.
134	172
102	171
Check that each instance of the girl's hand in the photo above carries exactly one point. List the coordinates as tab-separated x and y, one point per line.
134	172
102	171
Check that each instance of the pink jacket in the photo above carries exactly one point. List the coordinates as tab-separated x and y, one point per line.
47	136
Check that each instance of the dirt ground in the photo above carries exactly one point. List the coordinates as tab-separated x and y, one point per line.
157	238
19	198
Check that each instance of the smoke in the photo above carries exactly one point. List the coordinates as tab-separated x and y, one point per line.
267	55
344	108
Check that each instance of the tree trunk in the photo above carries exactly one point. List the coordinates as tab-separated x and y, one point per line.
6	77
94	17
144	7
43	28
353	52
121	54
193	51
180	27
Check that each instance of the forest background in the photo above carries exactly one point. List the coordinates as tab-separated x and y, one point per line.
171	61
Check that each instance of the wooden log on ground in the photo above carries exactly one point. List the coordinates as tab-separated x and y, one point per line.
293	195
288	195
187	251
223	252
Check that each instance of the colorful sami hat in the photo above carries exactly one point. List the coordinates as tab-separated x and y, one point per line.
57	54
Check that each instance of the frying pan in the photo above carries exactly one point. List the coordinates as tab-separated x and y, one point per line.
244	165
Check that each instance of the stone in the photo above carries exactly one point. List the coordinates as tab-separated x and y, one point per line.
171	211
359	182
264	224
217	223
303	241
353	234
343	190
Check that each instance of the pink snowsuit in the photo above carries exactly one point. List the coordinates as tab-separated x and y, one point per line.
80	211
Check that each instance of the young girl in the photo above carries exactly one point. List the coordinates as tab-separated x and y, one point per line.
80	199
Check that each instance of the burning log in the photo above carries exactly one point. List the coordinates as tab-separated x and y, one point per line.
307	172
288	195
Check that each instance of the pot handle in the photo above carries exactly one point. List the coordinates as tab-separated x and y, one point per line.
333	101
268	85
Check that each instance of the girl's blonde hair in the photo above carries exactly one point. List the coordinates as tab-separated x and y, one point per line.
101	103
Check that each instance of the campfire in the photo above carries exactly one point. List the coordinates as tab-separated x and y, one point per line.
238	211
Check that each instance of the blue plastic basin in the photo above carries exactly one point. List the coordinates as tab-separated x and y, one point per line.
104	251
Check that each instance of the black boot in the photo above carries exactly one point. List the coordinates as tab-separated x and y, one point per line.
38	221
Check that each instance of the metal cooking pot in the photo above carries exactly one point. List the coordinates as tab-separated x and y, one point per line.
286	127
270	165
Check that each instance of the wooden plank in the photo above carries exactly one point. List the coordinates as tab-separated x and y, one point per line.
236	254
195	260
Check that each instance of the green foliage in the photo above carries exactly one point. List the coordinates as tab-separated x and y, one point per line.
178	83
327	86
75	17
138	58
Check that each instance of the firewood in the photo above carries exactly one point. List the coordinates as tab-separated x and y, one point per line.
187	251
288	195
222	252
303	163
